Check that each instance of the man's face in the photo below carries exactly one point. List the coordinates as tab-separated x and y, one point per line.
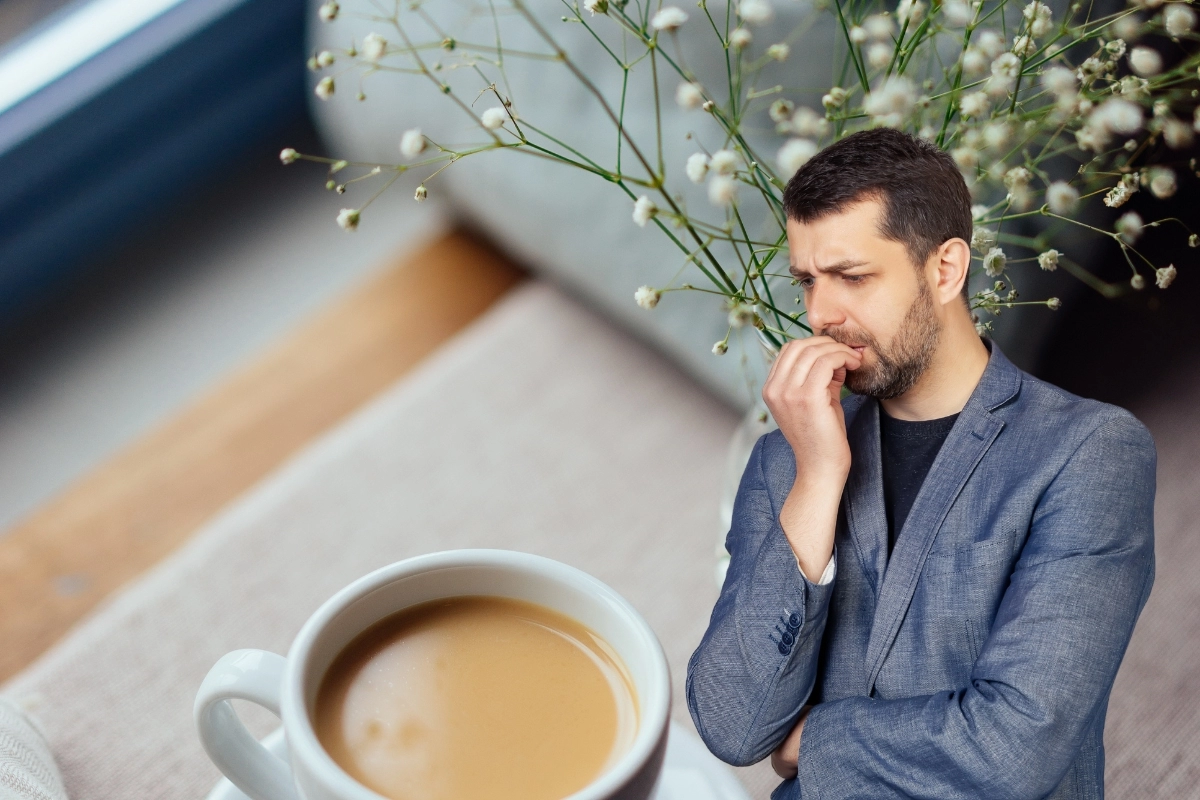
862	290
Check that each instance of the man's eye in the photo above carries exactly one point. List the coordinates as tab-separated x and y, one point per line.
854	278
806	282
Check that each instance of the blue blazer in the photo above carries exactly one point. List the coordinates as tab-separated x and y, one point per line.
977	661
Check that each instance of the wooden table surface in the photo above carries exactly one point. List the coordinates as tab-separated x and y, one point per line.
145	501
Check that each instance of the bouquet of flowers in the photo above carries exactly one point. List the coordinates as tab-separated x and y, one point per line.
1054	115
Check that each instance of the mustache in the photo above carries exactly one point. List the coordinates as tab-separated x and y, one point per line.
851	338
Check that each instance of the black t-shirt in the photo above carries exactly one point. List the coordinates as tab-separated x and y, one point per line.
909	449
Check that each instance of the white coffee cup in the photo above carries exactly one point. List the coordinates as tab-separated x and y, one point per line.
288	687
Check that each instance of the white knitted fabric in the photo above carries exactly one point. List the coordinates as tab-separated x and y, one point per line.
27	770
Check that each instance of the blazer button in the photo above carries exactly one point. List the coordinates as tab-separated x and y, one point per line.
784	649
787	638
794	621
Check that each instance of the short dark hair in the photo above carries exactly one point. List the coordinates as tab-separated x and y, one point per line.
925	199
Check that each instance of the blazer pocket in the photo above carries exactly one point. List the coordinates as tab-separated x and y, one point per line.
967	557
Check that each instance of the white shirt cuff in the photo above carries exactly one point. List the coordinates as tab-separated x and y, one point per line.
830	569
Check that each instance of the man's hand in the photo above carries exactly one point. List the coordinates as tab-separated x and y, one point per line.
785	757
803	392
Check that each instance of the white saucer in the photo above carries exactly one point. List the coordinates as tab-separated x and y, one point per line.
690	772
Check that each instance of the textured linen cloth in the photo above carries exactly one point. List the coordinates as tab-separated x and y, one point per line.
27	769
539	428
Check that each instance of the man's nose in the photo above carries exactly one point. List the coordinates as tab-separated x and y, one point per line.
823	310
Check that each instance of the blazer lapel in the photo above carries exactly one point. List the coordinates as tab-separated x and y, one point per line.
973	433
862	500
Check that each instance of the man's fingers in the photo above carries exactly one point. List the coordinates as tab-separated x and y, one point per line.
794	374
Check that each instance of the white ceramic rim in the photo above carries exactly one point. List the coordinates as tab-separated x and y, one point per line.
303	746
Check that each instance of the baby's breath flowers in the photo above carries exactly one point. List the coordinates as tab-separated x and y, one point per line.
647	297
288	155
669	18
412	143
643	210
493	118
1056	116
1048	260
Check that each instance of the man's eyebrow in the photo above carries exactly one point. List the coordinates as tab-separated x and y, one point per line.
835	267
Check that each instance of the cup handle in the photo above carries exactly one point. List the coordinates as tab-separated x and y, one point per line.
257	676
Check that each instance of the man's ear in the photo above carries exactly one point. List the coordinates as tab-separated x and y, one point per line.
953	265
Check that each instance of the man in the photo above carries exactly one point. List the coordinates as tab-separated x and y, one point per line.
933	582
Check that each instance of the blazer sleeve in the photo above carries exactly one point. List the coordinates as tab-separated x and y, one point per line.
1047	666
756	664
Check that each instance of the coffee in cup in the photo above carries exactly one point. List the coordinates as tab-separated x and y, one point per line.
476	696
441	590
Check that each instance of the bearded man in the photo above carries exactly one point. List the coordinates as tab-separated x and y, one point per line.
932	582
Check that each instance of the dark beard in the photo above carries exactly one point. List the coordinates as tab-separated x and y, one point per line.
900	366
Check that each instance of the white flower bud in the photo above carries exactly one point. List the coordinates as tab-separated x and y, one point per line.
1162	182
1129	227
1179	20
722	190
494	117
991	43
1038	17
646	297
1177	134
974	61
778	52
795	154
1061	197
837	96
325	59
979	211
1049	260
910	13
879	27
857	34
807	122
781	110
892	102
324	88
1054	304
1060	81
1024	46
740	39
724	162
879	55
347	218
1145	61
421	193
596	6
957	13
1006	65
328	11
643	210
373	46
994	261
720	348
287	155
967	158
742	314
982	238
975	104
756	12
697	167
689	95
1163	276
1137	282
669	18
412	143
